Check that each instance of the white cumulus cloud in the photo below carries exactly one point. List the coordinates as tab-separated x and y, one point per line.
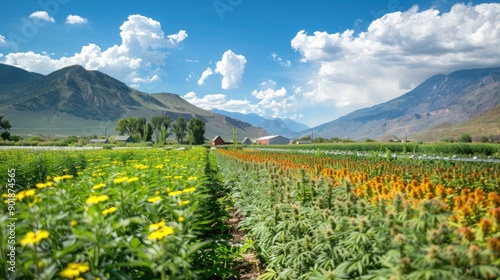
76	19
219	101
2	39
270	102
205	75
135	60
42	15
179	37
397	52
269	93
274	102
231	67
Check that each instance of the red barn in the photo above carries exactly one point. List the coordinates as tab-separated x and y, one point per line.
218	141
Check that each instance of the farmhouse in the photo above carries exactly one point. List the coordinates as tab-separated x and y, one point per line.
218	141
246	141
272	140
99	141
124	138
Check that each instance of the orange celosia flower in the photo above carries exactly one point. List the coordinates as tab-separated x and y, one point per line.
485	224
494	245
467	233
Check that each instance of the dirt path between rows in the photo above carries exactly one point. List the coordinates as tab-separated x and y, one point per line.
249	266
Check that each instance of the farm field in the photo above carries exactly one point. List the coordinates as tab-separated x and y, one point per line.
125	214
348	217
156	214
442	150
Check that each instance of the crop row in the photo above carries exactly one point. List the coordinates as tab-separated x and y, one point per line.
359	218
459	149
130	214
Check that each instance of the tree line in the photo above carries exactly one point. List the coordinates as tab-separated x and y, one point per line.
162	127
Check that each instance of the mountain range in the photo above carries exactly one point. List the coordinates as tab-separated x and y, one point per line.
75	101
442	99
280	126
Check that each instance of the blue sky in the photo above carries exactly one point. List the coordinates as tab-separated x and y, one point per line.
313	61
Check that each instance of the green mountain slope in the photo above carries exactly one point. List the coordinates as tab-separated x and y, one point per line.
487	124
74	101
454	98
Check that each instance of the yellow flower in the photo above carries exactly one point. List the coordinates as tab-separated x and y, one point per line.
161	232
94	199
133	179
189	190
59	178
157	225
35	201
178	177
157	192
168	176
154	199
74	269
32	238
41	185
192	178
184	202
120	180
159	166
181	219
175	193
73	223
30	192
141	166
20	195
69	273
109	210
98	186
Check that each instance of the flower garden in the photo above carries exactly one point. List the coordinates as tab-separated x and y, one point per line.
157	214
338	217
128	214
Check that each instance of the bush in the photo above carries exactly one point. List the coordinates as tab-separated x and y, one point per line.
448	140
37	139
465	138
486	139
15	138
71	139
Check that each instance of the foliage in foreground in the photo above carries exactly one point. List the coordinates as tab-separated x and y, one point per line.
310	222
128	214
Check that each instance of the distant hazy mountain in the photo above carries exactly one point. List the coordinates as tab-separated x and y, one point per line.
285	127
74	101
453	98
